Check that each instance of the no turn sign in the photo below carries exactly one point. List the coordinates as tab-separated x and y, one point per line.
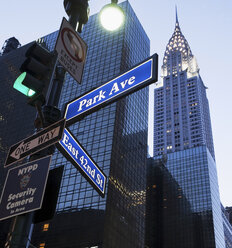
71	50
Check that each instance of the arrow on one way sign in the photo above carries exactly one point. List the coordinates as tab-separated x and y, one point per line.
35	143
43	138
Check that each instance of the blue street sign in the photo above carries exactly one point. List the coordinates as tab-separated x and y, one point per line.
138	77
24	188
76	154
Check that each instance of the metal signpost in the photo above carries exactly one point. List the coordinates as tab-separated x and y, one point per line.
76	154
35	143
136	78
71	50
24	188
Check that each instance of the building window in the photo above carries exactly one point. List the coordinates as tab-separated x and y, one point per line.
45	227
42	245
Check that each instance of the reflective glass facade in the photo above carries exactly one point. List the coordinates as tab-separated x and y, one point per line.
115	137
227	226
187	185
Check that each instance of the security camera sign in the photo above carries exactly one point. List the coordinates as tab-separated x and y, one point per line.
71	50
24	188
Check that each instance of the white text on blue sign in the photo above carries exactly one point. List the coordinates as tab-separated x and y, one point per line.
110	90
83	161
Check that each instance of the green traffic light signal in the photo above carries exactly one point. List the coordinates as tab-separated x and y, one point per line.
37	69
18	85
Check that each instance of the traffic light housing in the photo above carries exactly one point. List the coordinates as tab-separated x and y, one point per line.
36	74
48	208
78	12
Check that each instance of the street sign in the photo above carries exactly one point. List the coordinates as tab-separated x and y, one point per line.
71	50
24	188
136	78
35	143
76	154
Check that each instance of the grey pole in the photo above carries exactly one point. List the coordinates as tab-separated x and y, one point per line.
18	237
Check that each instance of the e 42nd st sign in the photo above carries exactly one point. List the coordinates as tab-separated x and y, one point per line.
76	154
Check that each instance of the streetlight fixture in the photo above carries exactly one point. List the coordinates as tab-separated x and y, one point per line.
112	16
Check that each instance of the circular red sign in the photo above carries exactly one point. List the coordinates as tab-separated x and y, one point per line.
73	45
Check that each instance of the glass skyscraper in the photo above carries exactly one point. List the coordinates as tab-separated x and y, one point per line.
115	137
227	226
181	104
184	154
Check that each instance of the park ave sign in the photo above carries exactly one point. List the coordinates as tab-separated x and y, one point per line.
136	78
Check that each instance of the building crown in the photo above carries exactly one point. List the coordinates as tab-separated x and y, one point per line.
177	43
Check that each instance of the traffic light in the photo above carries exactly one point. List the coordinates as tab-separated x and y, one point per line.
36	73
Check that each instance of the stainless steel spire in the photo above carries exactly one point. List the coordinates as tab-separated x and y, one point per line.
177	43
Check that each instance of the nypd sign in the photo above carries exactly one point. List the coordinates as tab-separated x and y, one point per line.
24	188
138	77
76	154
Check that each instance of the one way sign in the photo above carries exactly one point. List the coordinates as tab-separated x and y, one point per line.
35	143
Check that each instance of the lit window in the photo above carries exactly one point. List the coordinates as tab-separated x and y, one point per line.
45	227
42	245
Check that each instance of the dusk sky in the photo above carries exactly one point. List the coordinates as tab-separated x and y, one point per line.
206	24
